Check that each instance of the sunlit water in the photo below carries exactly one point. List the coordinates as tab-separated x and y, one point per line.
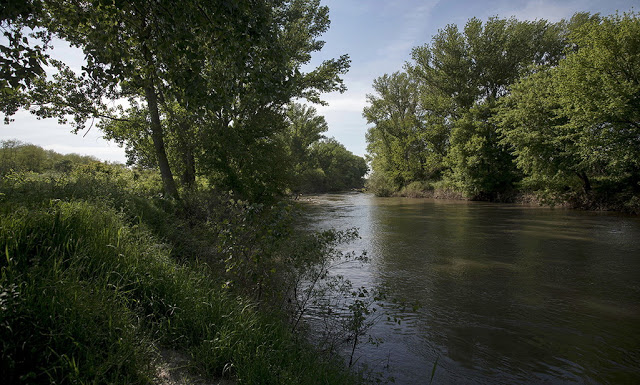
508	294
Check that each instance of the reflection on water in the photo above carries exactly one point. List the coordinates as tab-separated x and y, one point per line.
508	294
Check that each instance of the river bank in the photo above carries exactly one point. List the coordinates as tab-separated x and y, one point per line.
102	276
628	204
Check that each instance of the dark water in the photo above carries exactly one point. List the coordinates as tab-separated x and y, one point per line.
508	294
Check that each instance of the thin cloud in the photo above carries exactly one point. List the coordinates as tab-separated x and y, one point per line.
415	20
542	9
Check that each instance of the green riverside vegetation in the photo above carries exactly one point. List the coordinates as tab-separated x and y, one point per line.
192	88
192	248
504	107
99	273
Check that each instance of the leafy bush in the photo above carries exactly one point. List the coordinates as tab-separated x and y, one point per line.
380	185
417	189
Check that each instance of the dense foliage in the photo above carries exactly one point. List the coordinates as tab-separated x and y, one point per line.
21	62
507	106
320	164
106	265
200	88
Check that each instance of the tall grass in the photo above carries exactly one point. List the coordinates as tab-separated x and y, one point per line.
90	289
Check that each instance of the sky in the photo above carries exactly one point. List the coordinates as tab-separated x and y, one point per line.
378	35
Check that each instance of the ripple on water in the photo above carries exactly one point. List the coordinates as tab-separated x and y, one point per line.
508	294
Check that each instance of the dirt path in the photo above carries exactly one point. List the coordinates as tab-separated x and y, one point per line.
172	369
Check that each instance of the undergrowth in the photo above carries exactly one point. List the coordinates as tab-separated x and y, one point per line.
99	272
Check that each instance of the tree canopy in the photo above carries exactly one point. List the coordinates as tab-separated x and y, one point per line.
507	105
206	84
577	123
320	164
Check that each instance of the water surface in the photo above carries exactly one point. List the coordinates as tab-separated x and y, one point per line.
509	294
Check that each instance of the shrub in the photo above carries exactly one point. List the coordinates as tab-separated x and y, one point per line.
380	185
417	189
89	288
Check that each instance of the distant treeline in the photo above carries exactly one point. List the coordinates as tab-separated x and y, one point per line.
505	107
319	164
16	156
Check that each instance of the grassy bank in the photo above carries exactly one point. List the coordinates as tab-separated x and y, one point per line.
100	273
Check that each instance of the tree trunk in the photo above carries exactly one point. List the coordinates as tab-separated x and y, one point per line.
586	184
152	103
189	172
158	142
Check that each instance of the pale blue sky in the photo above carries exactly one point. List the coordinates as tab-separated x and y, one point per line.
377	34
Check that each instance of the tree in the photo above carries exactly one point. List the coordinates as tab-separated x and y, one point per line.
598	87
396	141
500	51
212	76
579	120
244	133
531	128
340	169
450	96
124	45
319	164
305	128
20	61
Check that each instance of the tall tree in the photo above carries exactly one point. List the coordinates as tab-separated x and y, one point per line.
529	125
125	44
579	120
456	82
250	116
227	67
598	87
305	128
501	51
395	139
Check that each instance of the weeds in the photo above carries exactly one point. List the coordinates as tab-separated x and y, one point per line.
98	271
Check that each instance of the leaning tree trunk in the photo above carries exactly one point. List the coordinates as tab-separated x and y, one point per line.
586	184
152	103
158	141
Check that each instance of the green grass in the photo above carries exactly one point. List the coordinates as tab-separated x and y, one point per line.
91	289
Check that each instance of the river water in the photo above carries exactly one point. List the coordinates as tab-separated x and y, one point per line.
508	294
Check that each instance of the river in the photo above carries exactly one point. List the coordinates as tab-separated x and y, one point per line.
508	294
